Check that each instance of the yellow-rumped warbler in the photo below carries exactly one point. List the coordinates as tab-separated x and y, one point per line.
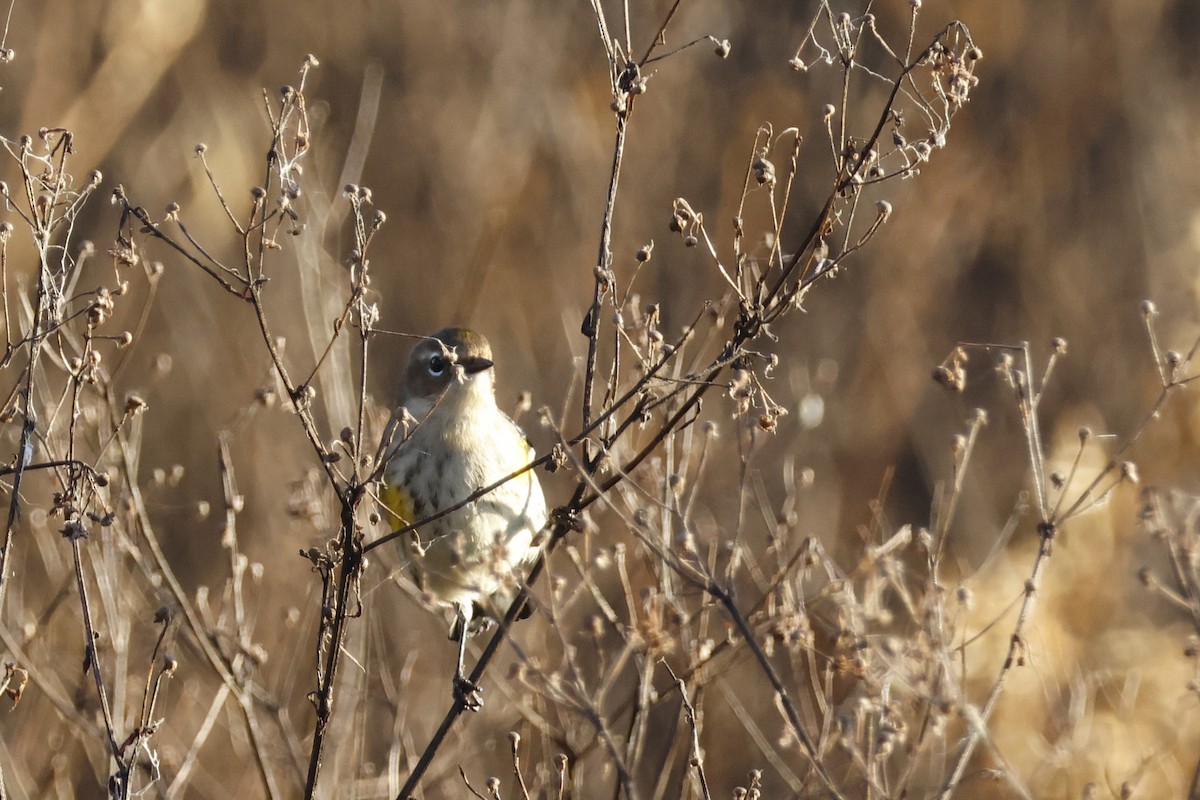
475	557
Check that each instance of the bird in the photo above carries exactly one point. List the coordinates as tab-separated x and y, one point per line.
456	441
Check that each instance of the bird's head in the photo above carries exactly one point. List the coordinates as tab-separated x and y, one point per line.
450	367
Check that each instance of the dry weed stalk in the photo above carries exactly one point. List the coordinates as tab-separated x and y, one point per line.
57	339
350	462
1056	502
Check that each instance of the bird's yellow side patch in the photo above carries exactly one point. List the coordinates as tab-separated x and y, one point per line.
398	501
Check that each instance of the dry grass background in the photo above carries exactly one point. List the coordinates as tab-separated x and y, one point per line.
1068	193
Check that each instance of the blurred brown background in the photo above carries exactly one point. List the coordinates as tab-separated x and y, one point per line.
1067	194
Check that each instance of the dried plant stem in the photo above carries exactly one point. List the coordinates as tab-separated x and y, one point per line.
179	782
1050	524
1015	655
591	324
29	426
198	628
349	571
92	663
558	532
793	716
341	567
697	758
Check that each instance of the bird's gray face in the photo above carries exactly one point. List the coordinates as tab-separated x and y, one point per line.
450	364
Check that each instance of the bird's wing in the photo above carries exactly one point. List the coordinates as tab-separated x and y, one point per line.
528	442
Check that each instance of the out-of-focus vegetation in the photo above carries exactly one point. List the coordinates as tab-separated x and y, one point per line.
1068	192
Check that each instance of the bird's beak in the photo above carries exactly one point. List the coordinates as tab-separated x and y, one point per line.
474	364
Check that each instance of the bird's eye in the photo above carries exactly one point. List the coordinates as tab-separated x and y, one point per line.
437	365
